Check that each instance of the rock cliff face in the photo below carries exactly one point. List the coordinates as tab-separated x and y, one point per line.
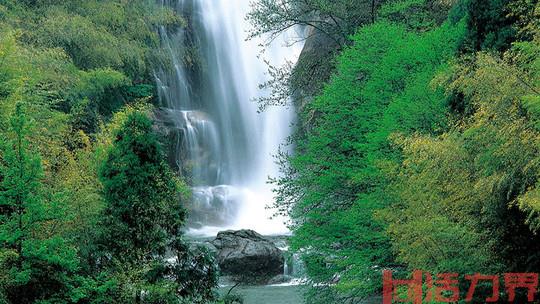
247	256
317	44
313	68
165	125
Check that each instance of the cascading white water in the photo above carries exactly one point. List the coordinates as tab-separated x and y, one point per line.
226	144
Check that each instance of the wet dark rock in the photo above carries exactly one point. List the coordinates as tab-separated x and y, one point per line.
247	256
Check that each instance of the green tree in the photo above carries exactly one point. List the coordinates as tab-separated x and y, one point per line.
335	19
76	64
490	26
142	219
143	215
336	181
329	25
37	263
467	200
328	28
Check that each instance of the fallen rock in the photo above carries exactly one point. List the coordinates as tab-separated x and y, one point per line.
247	256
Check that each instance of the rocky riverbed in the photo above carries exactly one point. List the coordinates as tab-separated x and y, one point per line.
258	268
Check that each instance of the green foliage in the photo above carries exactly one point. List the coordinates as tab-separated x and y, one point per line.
336	180
97	94
328	24
410	159
142	220
142	214
478	181
102	34
336	19
37	263
83	58
417	15
82	68
328	28
489	25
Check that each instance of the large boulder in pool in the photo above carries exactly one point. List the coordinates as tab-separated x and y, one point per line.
247	255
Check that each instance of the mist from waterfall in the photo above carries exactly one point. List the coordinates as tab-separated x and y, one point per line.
224	145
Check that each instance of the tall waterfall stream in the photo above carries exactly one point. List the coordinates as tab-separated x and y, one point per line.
220	141
223	143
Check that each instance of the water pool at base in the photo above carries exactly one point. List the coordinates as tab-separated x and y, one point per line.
269	294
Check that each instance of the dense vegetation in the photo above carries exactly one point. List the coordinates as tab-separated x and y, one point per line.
89	210
421	150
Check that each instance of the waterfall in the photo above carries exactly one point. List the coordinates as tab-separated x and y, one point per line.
206	93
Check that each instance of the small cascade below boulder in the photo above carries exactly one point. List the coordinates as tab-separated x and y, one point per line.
258	268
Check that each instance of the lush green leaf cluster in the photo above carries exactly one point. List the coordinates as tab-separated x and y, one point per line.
87	205
382	86
420	152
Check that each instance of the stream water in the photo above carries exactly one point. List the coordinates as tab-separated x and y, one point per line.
270	294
